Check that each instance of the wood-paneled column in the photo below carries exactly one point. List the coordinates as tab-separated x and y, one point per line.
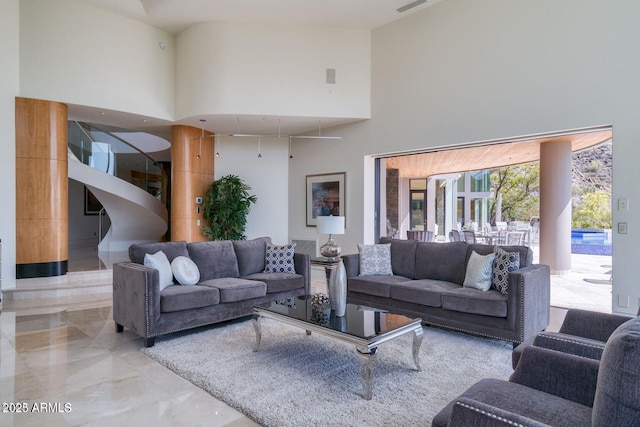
42	233
191	177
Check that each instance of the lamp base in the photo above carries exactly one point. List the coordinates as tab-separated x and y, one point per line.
330	249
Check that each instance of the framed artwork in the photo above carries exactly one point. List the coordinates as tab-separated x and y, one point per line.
92	205
325	196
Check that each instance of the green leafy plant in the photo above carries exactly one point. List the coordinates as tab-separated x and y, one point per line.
226	207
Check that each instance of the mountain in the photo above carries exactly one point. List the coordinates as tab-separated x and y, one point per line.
592	169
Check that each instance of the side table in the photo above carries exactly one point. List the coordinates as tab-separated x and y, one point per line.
336	282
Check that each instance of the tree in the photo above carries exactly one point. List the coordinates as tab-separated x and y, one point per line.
592	210
520	189
226	208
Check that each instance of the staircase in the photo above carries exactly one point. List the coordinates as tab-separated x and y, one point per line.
136	216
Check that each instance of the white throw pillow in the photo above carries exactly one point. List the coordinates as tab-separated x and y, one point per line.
375	260
160	262
479	270
185	270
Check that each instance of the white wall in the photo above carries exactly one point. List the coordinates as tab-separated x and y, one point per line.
9	89
464	71
268	178
264	69
74	53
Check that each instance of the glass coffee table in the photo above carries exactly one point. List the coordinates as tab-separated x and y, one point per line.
365	327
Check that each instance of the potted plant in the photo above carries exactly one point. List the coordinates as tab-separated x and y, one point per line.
226	207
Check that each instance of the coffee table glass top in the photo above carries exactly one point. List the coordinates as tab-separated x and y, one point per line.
358	321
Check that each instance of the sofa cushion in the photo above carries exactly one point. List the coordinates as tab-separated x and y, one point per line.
617	399
278	282
170	249
478	274
375	260
250	255
233	289
503	264
374	285
474	301
177	298
185	271
214	259
441	261
160	262
424	292
279	259
403	256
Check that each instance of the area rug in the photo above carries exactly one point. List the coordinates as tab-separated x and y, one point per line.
299	380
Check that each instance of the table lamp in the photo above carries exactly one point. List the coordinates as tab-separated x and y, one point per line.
330	225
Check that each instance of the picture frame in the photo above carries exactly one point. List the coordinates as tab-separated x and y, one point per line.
325	196
92	205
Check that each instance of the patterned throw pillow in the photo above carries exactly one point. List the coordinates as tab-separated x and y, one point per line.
478	274
279	259
504	263
375	260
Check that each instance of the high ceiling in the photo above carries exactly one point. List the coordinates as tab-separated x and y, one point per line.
175	15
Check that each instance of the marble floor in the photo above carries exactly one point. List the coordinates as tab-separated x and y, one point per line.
62	364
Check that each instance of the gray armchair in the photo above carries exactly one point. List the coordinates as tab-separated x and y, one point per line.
553	388
582	333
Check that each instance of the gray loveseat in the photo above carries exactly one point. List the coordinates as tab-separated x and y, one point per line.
427	282
232	281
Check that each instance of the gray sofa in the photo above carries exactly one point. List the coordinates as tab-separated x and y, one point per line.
427	282
232	281
553	388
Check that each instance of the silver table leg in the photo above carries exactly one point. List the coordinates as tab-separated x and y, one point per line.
417	341
368	360
257	327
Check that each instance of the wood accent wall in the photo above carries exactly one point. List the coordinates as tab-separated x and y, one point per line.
42	234
190	178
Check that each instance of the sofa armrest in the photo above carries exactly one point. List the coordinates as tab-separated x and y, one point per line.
591	324
136	297
529	299
302	264
560	374
351	264
470	412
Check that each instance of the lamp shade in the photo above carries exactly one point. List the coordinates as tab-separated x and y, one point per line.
330	224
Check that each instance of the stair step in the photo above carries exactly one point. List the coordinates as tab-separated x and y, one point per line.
85	284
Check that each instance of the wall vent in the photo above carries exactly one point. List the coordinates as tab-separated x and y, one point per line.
306	246
331	76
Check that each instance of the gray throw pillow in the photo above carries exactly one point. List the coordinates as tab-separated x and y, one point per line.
504	263
478	275
375	260
279	259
